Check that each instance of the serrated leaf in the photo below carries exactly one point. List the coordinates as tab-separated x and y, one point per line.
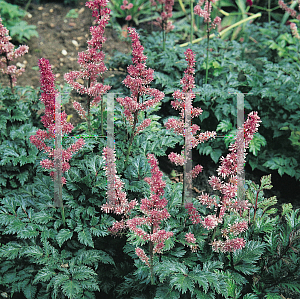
85	237
182	283
63	235
44	275
224	126
286	208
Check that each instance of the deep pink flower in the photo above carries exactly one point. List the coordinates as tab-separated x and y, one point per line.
48	96
91	61
206	12
190	238
249	2
194	214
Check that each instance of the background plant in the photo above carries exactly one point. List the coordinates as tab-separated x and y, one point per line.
140	8
12	16
92	64
8	53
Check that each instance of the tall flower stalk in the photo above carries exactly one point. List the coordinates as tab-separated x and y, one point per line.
205	13
229	202
92	63
188	83
163	21
7	54
138	82
153	210
48	97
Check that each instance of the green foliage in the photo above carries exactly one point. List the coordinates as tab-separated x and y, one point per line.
40	257
12	16
17	123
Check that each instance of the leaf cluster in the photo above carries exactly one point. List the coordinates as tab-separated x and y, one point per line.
19	30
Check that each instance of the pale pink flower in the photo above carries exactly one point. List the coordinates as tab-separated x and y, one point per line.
210	222
142	126
8	54
294	30
228	245
128	18
178	126
292	12
235	229
190	238
176	159
138	80
77	106
154	210
206	12
207	200
117	201
142	255
166	13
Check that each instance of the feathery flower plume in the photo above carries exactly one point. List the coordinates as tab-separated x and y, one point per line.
294	30
291	11
48	98
154	211
166	13
138	82
205	13
228	169
92	60
188	83
117	201
7	54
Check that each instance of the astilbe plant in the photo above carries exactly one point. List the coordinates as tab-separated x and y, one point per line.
92	62
138	82
165	14
181	97
229	201
127	6
205	13
7	54
147	226
48	97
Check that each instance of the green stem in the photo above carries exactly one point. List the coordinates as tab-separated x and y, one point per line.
151	258
206	74
192	20
89	109
269	12
163	30
102	117
27	5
